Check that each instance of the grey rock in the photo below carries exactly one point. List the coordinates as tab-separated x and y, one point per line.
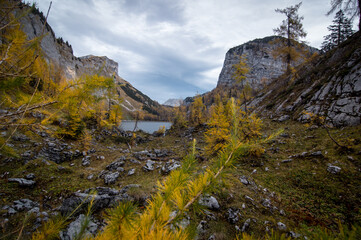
30	176
149	166
333	169
56	151
111	178
170	166
282	212
287	160
294	235
249	199
23	182
212	237
104	198
202	227
131	172
246	225
244	180
74	229
281	226
232	215
266	203
22	205
161	152
115	165
317	154
20	137
90	176
283	118
259	59
285	135
134	161
210	202
85	161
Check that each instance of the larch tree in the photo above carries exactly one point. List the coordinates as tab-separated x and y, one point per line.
197	111
239	75
350	7
292	29
340	31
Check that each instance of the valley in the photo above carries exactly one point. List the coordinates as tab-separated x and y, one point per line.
273	151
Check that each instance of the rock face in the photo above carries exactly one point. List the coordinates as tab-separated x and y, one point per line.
329	86
263	66
60	55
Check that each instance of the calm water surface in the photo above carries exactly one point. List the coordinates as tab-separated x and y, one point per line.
146	126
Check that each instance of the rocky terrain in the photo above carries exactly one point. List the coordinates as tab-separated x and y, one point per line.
329	86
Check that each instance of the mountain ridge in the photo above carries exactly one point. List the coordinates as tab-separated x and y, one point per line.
60	54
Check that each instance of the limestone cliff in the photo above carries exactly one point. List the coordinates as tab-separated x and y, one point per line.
330	86
60	54
262	64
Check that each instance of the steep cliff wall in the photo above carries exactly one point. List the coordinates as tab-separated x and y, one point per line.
263	65
330	86
60	54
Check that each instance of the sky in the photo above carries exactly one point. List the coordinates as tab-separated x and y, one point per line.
174	48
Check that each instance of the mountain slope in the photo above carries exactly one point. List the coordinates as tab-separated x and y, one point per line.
329	85
60	54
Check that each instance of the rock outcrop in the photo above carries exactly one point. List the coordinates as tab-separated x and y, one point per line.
329	86
60	55
263	65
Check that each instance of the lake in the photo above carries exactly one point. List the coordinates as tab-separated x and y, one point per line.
145	126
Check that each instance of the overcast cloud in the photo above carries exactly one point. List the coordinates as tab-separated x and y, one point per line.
173	48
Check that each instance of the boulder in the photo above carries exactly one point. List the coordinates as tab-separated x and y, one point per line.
116	165
209	202
103	197
131	172
149	166
74	229
85	161
333	169
170	166
281	226
23	182
232	215
111	178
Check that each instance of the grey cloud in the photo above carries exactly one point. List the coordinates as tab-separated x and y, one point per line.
154	10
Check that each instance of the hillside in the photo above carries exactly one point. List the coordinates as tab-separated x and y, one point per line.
60	54
329	85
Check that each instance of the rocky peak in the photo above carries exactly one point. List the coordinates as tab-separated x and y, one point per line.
60	53
263	65
329	86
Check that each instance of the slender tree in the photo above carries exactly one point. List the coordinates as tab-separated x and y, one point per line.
340	31
350	7
240	71
292	29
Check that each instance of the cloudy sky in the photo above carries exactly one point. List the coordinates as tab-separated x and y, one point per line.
173	48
